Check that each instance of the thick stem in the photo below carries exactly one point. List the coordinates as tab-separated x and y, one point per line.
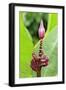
40	54
39	73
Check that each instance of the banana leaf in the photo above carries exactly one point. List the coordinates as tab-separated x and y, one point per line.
25	50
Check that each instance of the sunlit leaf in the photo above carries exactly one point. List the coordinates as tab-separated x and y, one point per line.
26	47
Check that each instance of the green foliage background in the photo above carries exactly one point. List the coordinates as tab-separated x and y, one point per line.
32	21
29	41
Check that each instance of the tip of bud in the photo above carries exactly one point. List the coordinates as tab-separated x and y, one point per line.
41	31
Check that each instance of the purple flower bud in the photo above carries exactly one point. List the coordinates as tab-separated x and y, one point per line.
41	30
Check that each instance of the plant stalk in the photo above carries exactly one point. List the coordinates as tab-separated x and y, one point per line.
40	54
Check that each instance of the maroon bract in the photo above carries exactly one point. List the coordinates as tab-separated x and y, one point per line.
37	62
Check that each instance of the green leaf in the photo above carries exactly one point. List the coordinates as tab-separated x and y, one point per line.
50	45
50	49
26	47
52	21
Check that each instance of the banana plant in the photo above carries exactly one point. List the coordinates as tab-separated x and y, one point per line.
50	47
